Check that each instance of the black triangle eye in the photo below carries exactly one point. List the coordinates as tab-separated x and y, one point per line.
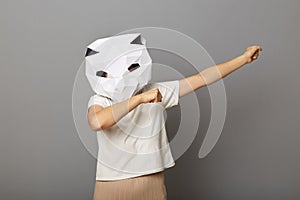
90	52
133	67
101	74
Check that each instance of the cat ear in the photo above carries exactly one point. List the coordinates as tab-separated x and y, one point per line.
90	52
138	40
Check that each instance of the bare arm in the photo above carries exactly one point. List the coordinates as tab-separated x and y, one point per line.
217	72
102	118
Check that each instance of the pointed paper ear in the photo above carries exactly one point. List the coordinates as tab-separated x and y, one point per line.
90	52
138	40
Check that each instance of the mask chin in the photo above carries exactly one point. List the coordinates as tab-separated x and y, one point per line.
123	91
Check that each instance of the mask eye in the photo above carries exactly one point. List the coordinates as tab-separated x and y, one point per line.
101	73
134	66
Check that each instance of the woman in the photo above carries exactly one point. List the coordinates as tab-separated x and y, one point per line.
144	179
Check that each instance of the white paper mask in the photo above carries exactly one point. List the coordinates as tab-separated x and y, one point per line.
119	66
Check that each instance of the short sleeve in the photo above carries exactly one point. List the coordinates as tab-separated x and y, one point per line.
169	91
98	99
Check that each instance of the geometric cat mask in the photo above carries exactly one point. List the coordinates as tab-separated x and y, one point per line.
118	66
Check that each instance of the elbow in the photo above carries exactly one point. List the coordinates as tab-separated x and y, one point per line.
95	125
98	123
99	127
96	128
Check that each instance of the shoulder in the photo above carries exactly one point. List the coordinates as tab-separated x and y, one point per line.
99	100
164	84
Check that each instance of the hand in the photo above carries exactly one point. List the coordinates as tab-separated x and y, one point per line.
151	96
252	53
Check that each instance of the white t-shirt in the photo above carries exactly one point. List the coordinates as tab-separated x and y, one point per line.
137	144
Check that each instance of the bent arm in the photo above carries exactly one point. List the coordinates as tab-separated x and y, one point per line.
210	75
102	118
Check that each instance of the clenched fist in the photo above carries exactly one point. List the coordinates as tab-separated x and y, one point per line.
151	96
252	53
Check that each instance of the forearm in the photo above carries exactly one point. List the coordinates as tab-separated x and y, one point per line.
210	75
110	115
219	71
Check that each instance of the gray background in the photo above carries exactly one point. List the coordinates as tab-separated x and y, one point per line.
42	44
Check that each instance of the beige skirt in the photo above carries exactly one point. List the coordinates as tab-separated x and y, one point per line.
146	187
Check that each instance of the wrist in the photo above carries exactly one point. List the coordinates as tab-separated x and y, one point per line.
138	98
245	58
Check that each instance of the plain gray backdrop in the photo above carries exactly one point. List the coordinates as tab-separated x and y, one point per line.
42	47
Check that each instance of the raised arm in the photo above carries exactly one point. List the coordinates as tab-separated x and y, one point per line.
102	118
217	72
